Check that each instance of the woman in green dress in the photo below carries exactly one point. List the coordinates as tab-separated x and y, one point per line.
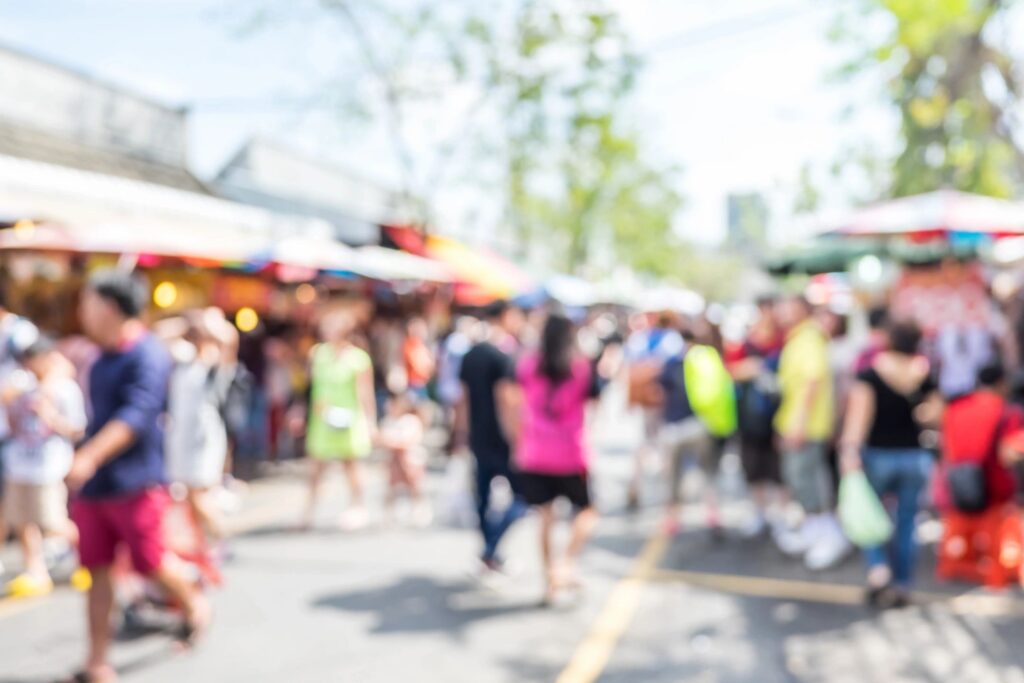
342	414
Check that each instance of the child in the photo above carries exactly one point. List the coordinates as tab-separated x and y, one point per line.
47	416
401	434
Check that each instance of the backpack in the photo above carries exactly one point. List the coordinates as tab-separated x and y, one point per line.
757	402
710	390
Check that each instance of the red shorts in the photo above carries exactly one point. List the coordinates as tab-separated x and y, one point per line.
135	520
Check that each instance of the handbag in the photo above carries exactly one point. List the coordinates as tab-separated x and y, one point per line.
967	487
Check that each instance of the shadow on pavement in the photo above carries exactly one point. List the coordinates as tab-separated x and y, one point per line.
423	604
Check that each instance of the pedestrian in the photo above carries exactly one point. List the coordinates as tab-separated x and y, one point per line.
417	358
804	424
685	438
449	388
487	375
753	366
882	435
47	417
401	434
653	341
981	438
197	438
342	415
15	332
878	338
552	453
117	475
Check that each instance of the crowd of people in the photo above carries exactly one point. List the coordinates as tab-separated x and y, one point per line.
96	444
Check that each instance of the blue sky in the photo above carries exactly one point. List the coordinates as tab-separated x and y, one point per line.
740	109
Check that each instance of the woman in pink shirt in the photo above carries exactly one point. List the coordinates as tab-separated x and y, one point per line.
552	454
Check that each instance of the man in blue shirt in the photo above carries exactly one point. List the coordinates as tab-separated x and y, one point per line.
118	471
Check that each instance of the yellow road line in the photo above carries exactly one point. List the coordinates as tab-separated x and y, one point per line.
592	655
834	593
764	587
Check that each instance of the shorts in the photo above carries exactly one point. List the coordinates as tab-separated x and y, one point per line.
135	520
760	462
806	474
541	489
41	505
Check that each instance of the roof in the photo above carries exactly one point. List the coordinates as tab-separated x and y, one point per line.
26	143
29	54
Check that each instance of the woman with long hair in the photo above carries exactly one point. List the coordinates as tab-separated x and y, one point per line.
342	414
552	454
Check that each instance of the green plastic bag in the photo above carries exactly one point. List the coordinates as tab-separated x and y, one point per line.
861	513
710	390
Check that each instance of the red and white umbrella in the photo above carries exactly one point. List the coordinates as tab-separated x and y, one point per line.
945	213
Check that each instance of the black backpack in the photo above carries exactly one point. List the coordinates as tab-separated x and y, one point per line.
757	402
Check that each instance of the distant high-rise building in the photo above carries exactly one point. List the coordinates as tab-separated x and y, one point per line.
747	220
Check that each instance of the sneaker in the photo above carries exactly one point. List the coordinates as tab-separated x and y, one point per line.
754	527
29	586
829	550
795	542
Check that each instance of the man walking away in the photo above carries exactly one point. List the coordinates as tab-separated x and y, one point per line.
487	374
804	424
118	472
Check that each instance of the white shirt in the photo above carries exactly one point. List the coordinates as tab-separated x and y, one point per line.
34	454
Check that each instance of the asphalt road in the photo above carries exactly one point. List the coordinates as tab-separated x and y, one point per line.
399	604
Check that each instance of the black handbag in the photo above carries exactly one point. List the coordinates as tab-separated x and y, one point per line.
967	487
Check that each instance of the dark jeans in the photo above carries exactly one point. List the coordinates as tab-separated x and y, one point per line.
902	473
493	523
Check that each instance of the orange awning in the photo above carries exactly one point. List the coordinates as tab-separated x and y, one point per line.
481	275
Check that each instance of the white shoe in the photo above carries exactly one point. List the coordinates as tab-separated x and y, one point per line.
831	548
754	527
796	542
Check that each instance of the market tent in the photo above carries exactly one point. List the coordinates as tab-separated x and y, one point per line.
946	213
314	253
381	263
481	276
157	238
67	196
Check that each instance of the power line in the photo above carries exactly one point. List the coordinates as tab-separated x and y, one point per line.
693	37
728	28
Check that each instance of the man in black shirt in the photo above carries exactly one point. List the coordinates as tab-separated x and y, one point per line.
488	370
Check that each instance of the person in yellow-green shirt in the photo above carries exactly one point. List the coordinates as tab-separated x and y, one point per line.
804	424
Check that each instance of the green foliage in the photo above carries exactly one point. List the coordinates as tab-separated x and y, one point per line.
553	80
577	177
956	90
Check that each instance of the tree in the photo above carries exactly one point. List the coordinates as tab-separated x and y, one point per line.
955	85
544	131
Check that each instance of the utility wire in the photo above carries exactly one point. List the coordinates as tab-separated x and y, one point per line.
694	37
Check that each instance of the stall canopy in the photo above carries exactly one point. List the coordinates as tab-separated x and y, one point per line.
223	245
943	214
480	275
381	263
